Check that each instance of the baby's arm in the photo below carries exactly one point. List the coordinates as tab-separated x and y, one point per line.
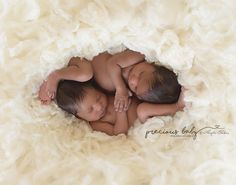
77	70
146	110
114	66
120	126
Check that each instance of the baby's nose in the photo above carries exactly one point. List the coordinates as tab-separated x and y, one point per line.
98	107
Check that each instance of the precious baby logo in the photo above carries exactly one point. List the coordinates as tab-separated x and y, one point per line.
189	132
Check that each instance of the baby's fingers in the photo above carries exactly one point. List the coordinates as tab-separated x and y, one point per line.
126	106
116	104
121	106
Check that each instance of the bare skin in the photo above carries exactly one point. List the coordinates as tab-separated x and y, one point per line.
107	76
112	71
98	109
147	110
78	70
129	63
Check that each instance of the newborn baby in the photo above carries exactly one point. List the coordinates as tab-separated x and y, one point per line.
87	102
128	70
81	70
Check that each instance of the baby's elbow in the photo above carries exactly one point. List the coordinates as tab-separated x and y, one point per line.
138	110
89	72
89	75
116	133
141	113
86	76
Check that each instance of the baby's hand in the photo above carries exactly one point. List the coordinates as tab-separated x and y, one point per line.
122	100
48	88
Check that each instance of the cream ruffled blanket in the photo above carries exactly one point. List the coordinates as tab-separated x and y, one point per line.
41	145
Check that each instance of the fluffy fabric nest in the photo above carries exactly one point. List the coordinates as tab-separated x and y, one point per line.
42	145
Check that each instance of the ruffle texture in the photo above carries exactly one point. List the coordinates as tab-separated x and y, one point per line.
42	145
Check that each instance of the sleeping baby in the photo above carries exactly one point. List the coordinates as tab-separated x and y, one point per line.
81	70
87	102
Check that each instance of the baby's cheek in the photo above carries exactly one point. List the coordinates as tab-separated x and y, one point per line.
94	117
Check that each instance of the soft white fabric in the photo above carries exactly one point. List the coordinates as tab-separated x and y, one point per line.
42	145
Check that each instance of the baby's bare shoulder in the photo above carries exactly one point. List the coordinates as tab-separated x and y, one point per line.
101	57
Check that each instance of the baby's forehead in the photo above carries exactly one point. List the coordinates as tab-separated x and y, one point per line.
89	94
83	104
88	99
80	107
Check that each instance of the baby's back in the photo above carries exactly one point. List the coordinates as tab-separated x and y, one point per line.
100	71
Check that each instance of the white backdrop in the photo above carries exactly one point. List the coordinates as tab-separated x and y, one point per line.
42	145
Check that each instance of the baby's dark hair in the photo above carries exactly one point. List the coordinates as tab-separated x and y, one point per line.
70	94
164	87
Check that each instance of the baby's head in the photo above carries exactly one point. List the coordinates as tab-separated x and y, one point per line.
153	83
81	99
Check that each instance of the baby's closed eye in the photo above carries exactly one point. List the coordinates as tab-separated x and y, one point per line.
90	109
